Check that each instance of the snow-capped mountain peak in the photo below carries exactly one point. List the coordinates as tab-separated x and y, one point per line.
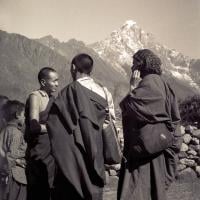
119	47
129	23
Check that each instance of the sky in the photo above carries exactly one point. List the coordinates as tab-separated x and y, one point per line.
175	23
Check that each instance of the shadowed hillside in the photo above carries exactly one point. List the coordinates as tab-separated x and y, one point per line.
22	58
103	71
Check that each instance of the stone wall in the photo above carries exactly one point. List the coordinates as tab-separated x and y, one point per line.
189	156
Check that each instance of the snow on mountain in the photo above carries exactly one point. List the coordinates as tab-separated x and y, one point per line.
119	47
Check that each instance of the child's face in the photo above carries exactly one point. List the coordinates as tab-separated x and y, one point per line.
21	117
51	83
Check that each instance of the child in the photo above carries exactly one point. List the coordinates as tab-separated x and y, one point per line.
41	163
3	101
13	150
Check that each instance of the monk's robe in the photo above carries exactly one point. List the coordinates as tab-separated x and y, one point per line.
40	166
144	178
75	130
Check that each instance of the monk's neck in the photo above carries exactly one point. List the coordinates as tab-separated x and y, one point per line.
81	75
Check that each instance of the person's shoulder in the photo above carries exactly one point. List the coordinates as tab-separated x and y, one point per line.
150	80
5	129
63	92
39	93
13	127
34	94
99	84
9	127
151	77
71	86
11	131
170	84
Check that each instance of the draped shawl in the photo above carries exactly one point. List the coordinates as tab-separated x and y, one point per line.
74	126
151	102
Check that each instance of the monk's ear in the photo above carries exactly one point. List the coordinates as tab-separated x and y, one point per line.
73	71
73	68
42	82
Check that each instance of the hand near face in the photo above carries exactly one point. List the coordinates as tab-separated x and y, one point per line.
135	79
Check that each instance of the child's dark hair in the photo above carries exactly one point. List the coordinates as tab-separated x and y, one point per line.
13	108
83	63
44	72
3	100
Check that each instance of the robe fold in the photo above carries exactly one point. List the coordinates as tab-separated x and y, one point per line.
75	126
153	101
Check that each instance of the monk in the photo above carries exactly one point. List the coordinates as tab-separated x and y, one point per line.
75	129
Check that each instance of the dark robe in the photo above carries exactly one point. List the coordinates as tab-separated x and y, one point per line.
41	164
147	178
75	130
17	191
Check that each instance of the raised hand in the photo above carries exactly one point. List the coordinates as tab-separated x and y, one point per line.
135	79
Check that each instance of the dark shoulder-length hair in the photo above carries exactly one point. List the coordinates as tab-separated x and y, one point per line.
150	62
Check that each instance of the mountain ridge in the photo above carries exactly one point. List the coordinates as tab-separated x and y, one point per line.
177	63
119	47
22	57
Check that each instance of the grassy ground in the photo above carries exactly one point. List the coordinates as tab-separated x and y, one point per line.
179	190
185	190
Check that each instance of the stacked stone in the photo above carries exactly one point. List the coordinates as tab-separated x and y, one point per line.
189	156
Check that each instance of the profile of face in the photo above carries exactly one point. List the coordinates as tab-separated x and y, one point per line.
21	117
50	83
136	69
136	65
3	101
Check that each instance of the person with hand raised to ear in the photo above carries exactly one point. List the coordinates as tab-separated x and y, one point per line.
151	102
